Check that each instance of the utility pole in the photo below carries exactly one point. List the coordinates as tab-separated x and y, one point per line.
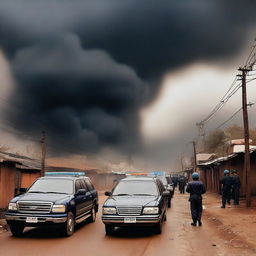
195	162
247	168
43	147
181	161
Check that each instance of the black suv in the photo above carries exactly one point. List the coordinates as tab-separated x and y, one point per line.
135	201
54	201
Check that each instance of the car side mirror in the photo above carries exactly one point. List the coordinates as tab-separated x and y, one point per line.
107	193
166	193
80	192
23	190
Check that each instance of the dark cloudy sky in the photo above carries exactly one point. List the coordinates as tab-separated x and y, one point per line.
85	70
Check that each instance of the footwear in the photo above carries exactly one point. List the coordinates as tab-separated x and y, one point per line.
222	206
193	224
199	223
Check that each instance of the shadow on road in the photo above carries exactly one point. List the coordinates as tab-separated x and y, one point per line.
135	232
45	233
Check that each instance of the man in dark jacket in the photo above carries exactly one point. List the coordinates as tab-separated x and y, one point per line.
196	188
182	184
236	183
226	183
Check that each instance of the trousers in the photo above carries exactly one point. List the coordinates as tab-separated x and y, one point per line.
196	209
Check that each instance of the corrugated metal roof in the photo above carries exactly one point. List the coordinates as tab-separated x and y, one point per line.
225	158
22	162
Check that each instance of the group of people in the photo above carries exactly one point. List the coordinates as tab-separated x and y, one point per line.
181	182
230	190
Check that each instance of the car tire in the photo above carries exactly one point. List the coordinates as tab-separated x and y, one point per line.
17	230
92	218
165	217
169	203
158	228
69	226
109	229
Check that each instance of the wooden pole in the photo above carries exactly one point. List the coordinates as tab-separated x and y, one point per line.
247	167
43	153
195	162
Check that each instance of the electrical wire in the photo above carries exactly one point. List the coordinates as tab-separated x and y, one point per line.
231	117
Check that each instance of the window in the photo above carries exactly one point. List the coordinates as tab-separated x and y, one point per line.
83	181
89	184
78	185
52	186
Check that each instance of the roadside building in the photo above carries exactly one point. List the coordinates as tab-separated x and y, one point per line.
16	173
212	171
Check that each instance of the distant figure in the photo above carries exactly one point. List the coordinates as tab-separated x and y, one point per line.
226	183
236	184
196	188
182	184
175	182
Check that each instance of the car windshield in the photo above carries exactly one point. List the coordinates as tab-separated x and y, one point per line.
163	179
136	187
60	186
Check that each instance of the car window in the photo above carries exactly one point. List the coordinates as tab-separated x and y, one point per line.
163	179
89	184
52	186
84	184
136	187
78	185
161	186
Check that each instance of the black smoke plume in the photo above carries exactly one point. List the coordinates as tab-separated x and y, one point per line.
84	69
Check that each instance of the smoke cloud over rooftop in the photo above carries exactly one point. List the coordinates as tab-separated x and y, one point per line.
83	70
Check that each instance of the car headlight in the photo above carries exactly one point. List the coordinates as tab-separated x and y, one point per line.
109	210
12	207
151	210
60	208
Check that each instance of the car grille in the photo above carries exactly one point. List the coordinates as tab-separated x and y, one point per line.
132	210
34	207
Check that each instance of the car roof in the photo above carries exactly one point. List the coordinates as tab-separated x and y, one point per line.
62	177
140	178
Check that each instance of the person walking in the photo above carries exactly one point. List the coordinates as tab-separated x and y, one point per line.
226	183
196	188
236	184
182	184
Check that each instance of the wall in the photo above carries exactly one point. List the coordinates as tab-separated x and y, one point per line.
212	174
27	178
7	183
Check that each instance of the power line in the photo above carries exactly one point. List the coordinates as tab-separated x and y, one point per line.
231	117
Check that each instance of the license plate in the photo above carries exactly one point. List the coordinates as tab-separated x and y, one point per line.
130	220
31	220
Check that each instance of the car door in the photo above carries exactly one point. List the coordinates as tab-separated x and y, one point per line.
92	190
79	199
88	201
162	200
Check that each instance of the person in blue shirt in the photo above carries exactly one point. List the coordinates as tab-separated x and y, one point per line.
196	188
226	183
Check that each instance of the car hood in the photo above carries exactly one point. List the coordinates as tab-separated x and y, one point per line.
131	201
45	197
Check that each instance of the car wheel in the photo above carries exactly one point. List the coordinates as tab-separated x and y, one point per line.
92	218
109	229
16	230
69	226
169	203
158	228
165	217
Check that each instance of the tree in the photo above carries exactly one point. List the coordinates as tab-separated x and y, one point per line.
215	142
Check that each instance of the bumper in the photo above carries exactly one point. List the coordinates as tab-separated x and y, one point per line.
140	220
22	218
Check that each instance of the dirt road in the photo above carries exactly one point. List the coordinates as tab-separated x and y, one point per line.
178	238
